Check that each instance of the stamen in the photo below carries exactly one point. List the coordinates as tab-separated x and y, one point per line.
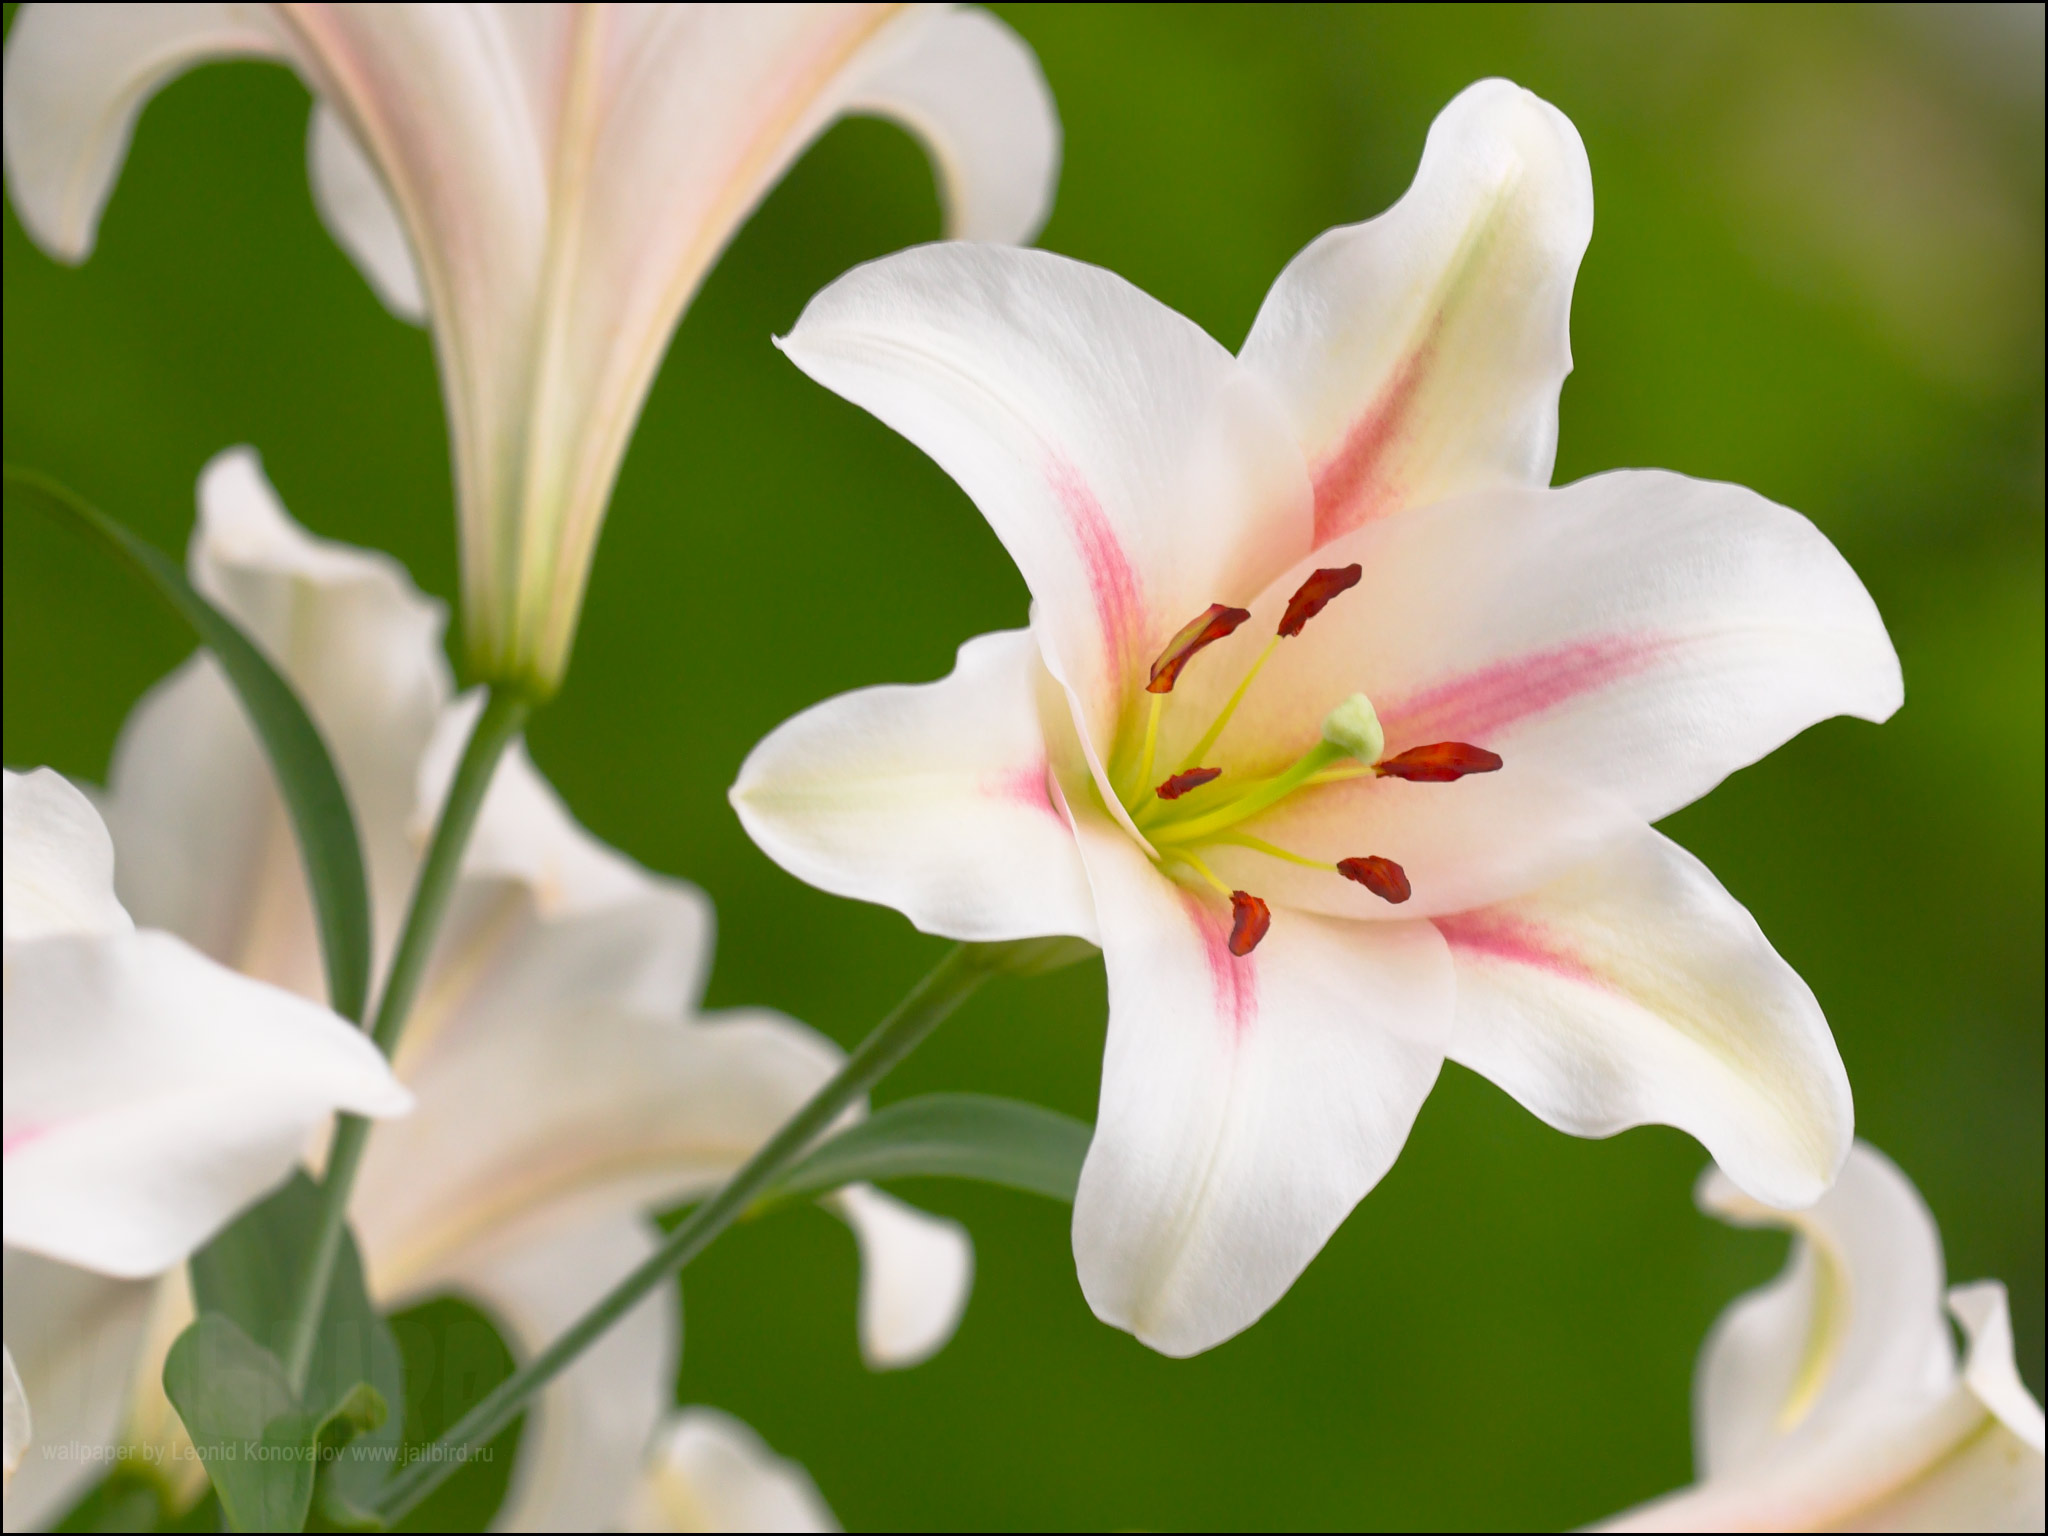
1201	748
1216	621
1272	850
1440	762
1383	877
1249	920
1151	740
1314	595
1193	778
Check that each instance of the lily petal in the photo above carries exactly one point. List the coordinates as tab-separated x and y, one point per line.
19	1427
1850	1338
709	1472
1247	1103
934	799
1988	1367
74	1336
1636	990
1830	1399
151	1093
1133	470
1992	1478
546	1111
59	861
1419	355
76	79
352	204
206	849
1624	643
581	1449
973	92
915	1274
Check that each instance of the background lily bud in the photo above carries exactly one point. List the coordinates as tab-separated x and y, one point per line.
1355	727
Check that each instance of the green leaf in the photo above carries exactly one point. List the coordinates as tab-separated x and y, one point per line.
954	1136
312	790
249	1273
256	1442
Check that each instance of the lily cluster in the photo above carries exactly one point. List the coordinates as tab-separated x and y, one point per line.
1334	726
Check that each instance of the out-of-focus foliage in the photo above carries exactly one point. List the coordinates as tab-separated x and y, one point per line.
1816	269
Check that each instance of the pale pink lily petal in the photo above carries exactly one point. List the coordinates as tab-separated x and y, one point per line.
915	1274
352	204
78	76
59	863
150	1093
1247	1104
550	184
1830	1399
1623	643
706	1471
19	1426
581	1448
1419	355
1634	990
1132	469
937	800
73	1334
206	847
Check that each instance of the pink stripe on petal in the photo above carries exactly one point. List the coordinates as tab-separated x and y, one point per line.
1119	608
18	1136
1356	484
1491	936
1023	786
1479	706
1233	978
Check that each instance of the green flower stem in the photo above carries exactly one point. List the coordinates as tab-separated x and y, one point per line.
503	716
943	990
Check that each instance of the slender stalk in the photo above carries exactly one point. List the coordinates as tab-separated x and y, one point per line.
503	715
944	989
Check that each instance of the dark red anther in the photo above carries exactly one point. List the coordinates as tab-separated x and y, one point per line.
1181	783
1314	595
1217	620
1383	877
1249	920
1438	763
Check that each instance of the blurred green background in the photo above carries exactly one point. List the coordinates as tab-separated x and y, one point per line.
1816	269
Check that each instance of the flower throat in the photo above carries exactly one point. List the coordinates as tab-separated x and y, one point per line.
1185	812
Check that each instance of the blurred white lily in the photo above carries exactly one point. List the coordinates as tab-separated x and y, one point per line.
151	1092
550	184
1299	916
565	1085
1831	1399
706	1471
18	1425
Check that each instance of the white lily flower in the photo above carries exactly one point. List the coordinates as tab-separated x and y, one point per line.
565	1083
706	1471
1831	1399
151	1093
550	183
1300	918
